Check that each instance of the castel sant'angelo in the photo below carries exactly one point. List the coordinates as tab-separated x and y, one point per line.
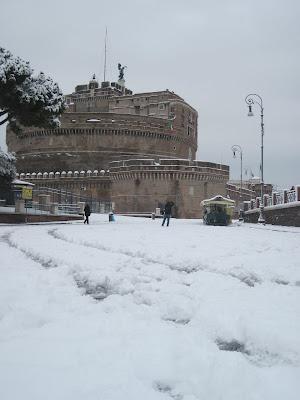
135	150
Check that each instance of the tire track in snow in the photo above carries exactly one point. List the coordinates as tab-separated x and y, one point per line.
97	290
44	262
137	256
248	279
101	290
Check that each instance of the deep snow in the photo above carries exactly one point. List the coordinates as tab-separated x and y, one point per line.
131	310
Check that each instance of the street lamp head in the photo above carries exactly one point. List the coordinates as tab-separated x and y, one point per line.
250	113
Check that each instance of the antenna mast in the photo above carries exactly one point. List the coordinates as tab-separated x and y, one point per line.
105	54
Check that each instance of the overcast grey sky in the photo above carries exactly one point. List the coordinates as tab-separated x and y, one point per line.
212	53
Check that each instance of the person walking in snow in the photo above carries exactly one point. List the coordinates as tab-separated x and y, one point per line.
167	212
87	213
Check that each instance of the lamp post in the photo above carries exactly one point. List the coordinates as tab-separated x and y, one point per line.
237	149
250	100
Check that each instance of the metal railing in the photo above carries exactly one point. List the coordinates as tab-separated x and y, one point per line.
32	207
68	209
68	201
61	196
60	201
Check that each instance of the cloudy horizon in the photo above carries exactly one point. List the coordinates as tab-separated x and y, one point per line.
211	54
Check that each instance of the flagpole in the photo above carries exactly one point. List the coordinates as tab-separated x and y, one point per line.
104	74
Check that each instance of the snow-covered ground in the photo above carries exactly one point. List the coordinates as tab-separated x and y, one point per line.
132	311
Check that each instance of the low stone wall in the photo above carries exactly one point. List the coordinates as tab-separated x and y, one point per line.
283	214
6	218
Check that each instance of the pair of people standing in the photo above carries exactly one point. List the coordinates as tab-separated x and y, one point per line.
167	212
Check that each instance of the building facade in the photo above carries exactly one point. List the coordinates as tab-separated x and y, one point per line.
135	149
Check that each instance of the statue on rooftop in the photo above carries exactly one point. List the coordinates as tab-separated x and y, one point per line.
121	73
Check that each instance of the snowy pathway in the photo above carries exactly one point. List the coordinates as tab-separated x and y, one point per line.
131	310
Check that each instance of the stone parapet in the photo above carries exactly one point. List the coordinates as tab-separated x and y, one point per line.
43	176
96	185
168	169
127	169
234	192
280	208
283	214
161	162
167	174
278	198
109	131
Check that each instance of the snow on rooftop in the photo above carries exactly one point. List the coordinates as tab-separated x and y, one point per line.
218	198
20	182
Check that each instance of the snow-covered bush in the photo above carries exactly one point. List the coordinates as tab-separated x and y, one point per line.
7	167
26	99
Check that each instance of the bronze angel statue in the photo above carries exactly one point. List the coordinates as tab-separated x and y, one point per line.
121	69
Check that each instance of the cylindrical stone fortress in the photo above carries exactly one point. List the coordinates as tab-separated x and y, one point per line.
144	143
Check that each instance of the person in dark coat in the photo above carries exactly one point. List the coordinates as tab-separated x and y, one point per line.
87	213
167	212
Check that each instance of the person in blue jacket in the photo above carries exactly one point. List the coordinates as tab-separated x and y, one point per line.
167	212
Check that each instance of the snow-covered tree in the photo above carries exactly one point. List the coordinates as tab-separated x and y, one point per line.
7	169
26	99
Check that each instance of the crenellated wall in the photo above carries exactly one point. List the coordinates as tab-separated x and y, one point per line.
90	184
239	196
143	185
